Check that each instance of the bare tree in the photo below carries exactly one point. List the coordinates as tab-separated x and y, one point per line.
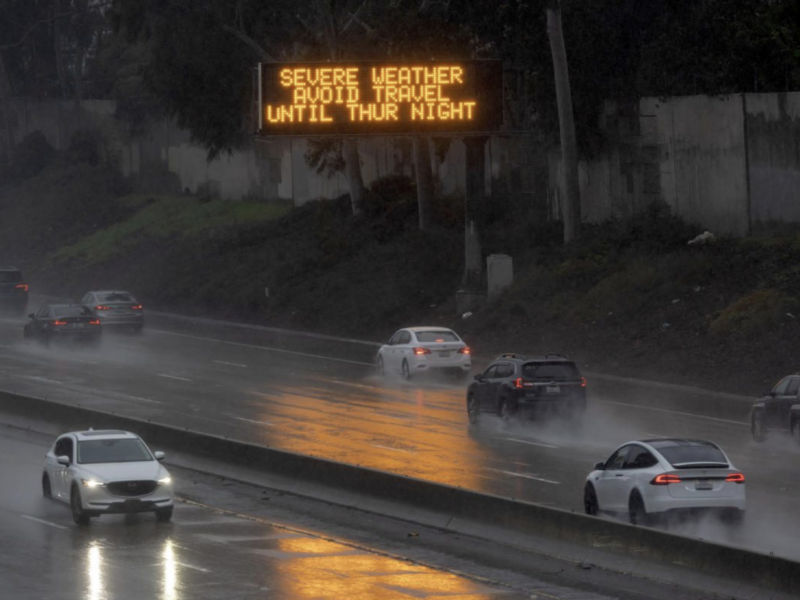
571	203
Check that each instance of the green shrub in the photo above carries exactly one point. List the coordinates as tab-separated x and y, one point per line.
758	311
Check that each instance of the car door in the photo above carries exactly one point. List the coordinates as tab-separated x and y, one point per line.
785	402
504	371
609	484
390	353
404	348
773	403
636	472
39	321
61	477
482	385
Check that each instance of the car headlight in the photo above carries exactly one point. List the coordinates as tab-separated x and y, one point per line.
165	481
92	483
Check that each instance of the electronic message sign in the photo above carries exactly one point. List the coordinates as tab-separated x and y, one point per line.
360	98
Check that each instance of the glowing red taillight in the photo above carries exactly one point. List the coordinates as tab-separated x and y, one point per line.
583	381
735	478
137	307
22	287
665	479
421	351
57	322
94	322
518	383
102	307
463	350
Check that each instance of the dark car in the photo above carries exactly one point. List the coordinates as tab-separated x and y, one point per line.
13	290
63	322
117	309
778	410
527	386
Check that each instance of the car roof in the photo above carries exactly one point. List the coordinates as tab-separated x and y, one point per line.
104	434
109	292
659	443
432	328
542	358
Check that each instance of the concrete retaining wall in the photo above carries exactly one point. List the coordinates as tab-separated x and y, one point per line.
436	505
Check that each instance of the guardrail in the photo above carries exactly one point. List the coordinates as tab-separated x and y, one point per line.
442	506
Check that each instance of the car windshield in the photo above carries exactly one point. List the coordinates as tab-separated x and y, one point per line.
10	276
554	371
437	336
112	451
691	454
116	297
71	311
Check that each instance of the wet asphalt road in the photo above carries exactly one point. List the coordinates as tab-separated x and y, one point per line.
324	399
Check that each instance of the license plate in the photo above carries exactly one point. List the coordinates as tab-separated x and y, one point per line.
703	485
76	326
444	353
553	389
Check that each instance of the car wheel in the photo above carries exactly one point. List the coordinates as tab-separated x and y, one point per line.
380	366
473	409
636	510
757	428
796	430
590	504
47	490
79	515
406	371
163	515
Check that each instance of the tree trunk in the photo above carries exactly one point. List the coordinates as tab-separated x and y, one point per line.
571	202
422	166
5	106
473	196
352	170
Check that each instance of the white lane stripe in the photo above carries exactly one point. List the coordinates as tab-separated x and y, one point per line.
201	569
531	443
142	399
45	379
251	421
394	449
222	362
525	476
676	412
267	348
48	523
172	377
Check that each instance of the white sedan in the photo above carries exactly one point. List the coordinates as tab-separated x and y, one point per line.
107	472
421	349
650	478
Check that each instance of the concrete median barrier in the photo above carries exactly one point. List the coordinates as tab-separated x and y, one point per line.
446	507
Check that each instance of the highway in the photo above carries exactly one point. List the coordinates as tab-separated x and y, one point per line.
323	399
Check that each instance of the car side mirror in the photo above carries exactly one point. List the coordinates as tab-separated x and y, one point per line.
478	377
601	466
63	460
31	315
159	455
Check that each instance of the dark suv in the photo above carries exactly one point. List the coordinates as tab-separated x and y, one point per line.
521	385
778	410
13	290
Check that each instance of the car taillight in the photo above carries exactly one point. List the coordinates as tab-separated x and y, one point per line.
464	350
102	307
583	381
735	478
518	383
57	322
94	322
137	307
421	351
665	479
21	286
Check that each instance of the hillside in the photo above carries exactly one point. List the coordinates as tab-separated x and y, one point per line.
630	298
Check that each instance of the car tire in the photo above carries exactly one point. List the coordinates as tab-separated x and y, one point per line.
164	515
79	515
473	409
380	366
590	504
637	513
796	430
757	429
405	371
47	490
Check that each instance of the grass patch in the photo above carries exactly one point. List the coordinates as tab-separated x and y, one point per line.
758	312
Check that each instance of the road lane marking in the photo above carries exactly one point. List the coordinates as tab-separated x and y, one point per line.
43	522
531	443
188	566
267	348
172	377
676	412
230	364
390	448
524	475
45	379
250	420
